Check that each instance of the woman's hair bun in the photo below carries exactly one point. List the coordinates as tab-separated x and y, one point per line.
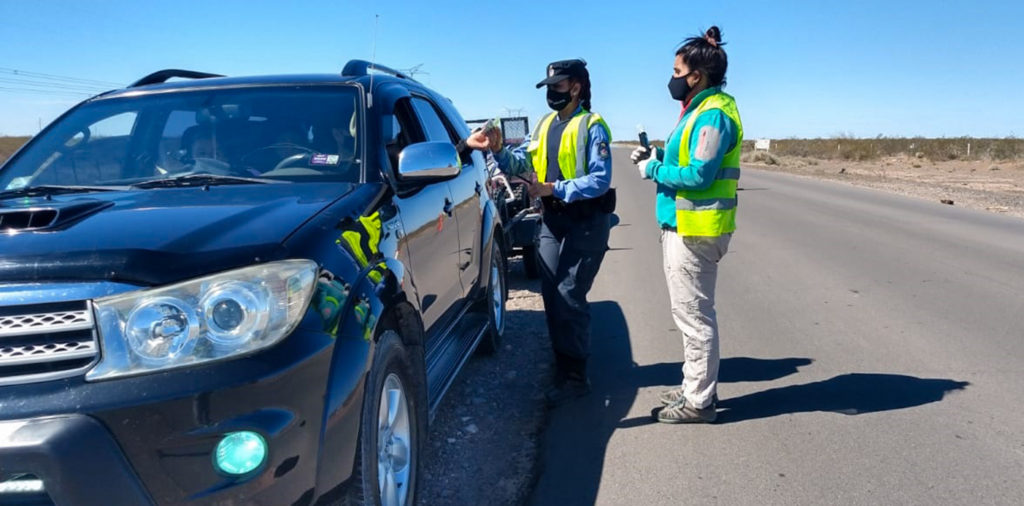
714	34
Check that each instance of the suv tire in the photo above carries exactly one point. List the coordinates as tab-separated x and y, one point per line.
391	417
494	302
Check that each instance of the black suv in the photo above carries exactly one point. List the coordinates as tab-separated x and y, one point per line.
240	290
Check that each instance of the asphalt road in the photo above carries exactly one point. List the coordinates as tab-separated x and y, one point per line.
873	353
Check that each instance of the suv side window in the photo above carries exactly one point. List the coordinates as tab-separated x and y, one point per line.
433	127
450	133
405	131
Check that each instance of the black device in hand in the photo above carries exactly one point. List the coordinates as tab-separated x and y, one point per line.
643	136
643	143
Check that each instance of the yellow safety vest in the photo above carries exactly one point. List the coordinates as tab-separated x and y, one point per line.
362	238
572	147
710	212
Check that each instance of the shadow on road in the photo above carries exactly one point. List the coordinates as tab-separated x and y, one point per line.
849	394
577	434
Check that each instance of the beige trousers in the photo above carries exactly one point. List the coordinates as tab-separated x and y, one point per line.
691	269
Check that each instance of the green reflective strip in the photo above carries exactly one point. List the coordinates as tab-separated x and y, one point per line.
582	136
705	204
371	225
352	240
720	189
709	223
375	276
732	173
538	147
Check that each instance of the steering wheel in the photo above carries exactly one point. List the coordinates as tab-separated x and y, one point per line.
291	161
248	157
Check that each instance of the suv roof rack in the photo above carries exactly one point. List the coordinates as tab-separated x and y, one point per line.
161	76
363	68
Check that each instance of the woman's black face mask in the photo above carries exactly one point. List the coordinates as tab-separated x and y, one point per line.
557	100
679	88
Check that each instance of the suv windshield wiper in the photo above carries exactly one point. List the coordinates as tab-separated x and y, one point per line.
51	189
201	180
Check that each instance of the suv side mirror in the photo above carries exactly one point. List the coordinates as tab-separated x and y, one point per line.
428	162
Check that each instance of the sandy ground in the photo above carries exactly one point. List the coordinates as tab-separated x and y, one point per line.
991	186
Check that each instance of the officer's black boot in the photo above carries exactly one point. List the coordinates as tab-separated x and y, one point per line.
571	383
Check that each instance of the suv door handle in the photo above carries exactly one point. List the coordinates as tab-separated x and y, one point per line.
448	207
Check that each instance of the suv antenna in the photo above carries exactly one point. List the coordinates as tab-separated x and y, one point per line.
373	58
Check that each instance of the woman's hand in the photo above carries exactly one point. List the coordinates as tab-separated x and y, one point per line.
642	167
640	153
485	139
478	140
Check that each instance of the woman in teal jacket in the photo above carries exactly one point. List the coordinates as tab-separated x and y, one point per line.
696	176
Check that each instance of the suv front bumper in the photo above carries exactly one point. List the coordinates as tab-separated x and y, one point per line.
151	438
68	450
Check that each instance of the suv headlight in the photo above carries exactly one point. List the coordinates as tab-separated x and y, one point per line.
210	318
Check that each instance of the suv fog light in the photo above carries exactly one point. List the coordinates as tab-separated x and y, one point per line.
240	453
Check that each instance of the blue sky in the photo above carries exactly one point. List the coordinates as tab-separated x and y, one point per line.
797	69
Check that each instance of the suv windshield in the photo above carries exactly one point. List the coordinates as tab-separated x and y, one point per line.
294	133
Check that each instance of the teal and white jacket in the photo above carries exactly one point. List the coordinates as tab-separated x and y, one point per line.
721	137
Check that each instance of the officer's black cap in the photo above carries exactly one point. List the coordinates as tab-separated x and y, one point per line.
561	70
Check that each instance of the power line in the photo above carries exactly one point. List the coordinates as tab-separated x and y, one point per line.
55	77
45	92
61	86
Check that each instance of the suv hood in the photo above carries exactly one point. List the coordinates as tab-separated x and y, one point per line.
157	236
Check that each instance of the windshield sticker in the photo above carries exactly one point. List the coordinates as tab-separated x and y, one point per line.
323	159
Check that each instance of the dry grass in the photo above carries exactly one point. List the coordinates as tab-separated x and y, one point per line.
934	150
759	157
8	145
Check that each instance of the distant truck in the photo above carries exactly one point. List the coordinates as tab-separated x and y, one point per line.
519	213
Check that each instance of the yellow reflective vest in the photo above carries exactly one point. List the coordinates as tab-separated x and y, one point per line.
710	212
572	147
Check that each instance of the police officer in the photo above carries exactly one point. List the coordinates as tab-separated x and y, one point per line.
570	156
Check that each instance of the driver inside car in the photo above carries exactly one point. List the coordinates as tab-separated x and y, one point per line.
199	141
289	141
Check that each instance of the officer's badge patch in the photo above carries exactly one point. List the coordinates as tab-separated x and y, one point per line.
602	151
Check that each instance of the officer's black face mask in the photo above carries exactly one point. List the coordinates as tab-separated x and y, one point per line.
557	100
679	88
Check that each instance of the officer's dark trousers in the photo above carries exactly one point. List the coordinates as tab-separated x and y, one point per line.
570	250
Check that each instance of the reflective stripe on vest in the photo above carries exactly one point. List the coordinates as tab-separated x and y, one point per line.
710	212
572	147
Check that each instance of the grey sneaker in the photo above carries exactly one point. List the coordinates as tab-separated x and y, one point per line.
567	390
669	397
682	412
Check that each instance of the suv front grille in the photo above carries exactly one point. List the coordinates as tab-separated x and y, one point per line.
42	342
47	322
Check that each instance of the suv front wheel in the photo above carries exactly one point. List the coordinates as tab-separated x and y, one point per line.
388	461
494	299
